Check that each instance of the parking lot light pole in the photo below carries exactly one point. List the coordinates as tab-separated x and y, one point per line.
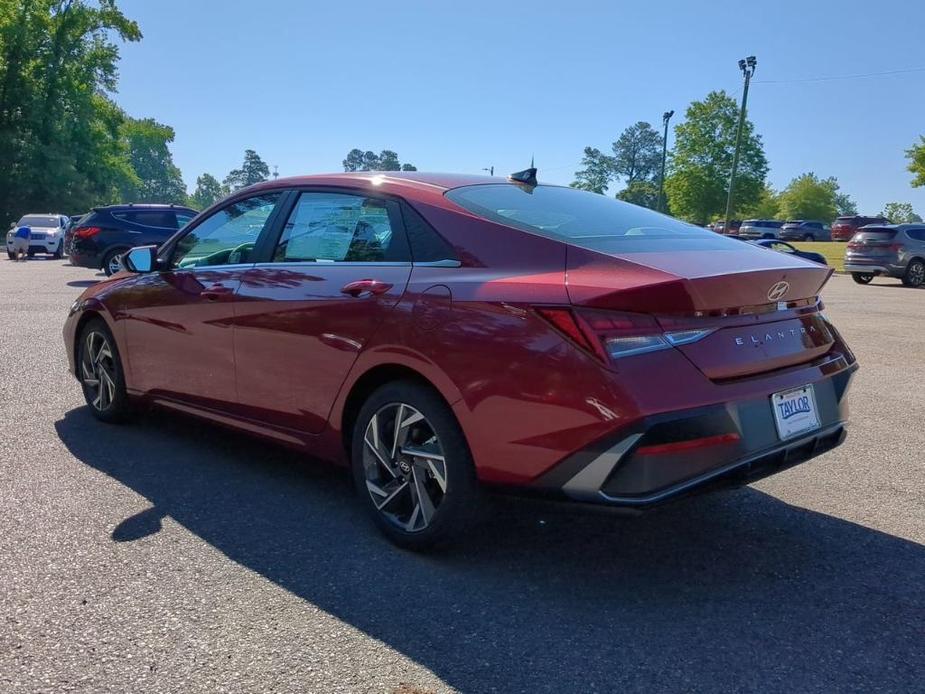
666	116
747	66
490	170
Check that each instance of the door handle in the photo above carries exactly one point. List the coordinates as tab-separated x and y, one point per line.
366	287
217	292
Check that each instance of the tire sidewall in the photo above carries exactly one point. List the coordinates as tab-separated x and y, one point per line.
458	508
108	258
907	278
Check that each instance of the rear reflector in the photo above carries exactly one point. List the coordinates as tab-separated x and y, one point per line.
690	444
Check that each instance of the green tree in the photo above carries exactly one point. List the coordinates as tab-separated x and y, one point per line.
157	179
808	197
386	160
637	153
60	144
916	157
900	213
702	161
643	193
597	172
767	206
253	170
208	192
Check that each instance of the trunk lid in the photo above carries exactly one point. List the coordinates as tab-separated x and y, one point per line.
761	305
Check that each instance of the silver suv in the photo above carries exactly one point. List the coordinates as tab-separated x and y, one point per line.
760	229
894	250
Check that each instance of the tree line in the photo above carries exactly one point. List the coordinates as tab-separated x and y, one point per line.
698	168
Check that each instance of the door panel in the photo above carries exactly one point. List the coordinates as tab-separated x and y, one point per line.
297	333
178	329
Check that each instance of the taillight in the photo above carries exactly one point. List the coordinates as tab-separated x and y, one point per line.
897	247
615	335
853	245
86	232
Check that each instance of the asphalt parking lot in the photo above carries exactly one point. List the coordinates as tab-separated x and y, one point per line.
171	556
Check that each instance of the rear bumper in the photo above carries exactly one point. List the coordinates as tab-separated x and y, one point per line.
874	268
80	259
615	471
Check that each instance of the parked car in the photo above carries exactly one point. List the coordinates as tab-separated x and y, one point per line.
844	228
783	247
760	228
894	250
734	225
805	230
73	222
47	235
104	234
442	332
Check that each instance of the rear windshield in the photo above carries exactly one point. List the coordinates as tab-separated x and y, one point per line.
38	220
868	235
584	219
846	220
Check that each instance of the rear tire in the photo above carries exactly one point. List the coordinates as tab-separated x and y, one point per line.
862	277
417	501
99	368
915	274
109	264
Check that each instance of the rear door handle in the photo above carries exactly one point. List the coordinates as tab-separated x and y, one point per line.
366	287
217	292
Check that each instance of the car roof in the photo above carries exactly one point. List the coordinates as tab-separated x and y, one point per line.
142	206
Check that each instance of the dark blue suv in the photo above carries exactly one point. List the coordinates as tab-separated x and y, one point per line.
103	235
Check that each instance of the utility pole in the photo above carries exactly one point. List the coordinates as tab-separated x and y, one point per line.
666	116
489	169
747	66
275	172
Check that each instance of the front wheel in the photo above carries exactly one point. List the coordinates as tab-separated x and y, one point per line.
10	255
862	277
100	372
915	274
59	251
808	237
412	466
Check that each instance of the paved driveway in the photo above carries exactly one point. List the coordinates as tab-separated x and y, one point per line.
171	556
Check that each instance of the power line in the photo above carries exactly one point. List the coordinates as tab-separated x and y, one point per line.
830	78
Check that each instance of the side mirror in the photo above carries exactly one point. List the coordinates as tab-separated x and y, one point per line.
140	259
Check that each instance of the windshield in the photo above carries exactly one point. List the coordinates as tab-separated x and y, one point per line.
584	219
38	220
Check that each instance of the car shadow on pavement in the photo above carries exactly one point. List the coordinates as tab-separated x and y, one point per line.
82	283
734	591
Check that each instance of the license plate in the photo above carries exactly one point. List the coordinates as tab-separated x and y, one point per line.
795	411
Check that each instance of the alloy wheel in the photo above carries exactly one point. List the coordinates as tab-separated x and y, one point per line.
115	264
404	466
98	370
916	274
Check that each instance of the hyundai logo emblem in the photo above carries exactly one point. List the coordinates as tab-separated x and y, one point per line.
778	291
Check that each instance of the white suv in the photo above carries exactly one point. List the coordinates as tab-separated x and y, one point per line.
47	234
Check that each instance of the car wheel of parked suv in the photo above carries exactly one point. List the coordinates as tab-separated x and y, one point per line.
59	251
862	277
11	256
112	263
915	274
809	237
412	466
100	372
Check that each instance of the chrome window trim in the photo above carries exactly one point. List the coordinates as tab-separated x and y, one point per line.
439	263
335	263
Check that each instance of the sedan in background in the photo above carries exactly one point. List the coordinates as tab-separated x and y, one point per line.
46	237
782	247
893	250
103	235
805	230
440	333
760	229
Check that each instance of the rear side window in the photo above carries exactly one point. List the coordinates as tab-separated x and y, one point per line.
585	219
916	234
339	227
161	219
427	246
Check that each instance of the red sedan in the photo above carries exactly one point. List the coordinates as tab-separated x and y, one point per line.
441	334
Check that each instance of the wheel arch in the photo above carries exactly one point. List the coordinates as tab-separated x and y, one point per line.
364	385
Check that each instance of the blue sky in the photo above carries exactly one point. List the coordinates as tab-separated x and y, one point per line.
465	85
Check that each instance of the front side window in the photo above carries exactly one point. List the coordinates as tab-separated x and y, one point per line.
228	236
339	227
585	219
